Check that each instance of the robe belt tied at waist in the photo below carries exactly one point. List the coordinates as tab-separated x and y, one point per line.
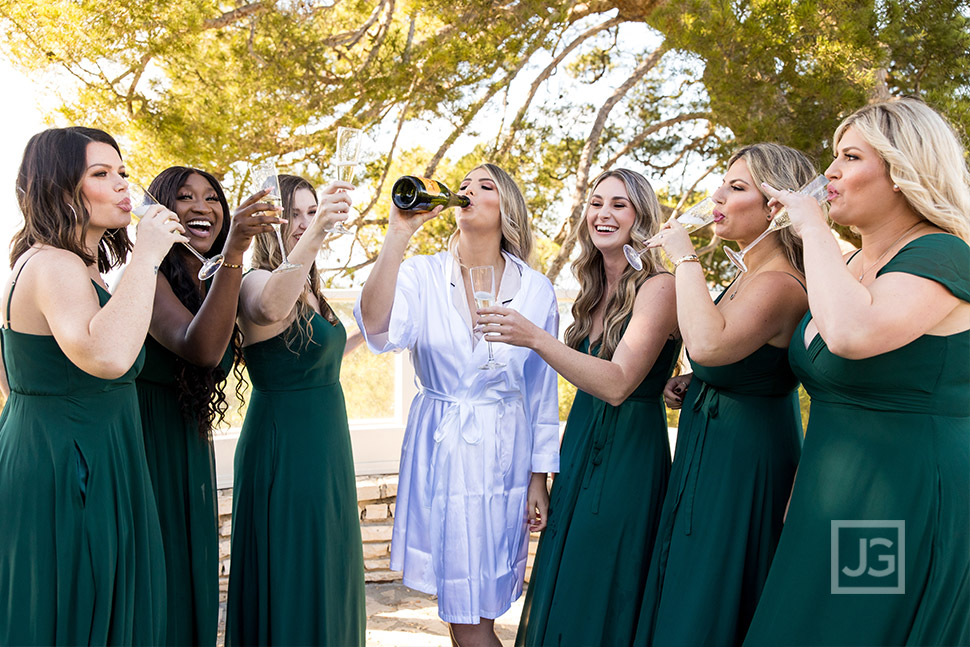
465	416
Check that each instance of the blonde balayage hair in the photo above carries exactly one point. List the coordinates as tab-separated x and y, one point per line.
589	270
267	256
517	237
924	157
782	167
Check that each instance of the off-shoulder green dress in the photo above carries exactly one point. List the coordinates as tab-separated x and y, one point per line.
886	465
297	572
591	562
81	558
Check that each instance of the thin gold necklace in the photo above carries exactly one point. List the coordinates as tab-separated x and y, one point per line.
741	279
891	245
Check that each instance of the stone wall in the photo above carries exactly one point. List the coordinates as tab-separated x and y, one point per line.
375	503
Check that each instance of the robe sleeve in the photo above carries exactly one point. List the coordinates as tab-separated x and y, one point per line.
543	392
402	330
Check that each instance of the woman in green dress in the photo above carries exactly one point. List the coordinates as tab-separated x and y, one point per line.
876	546
622	347
81	558
739	436
187	358
297	574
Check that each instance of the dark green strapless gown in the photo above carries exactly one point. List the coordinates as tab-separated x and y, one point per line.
297	575
591	563
738	444
81	558
888	442
182	466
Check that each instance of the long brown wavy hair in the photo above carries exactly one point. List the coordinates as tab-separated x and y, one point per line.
50	198
200	389
267	256
589	270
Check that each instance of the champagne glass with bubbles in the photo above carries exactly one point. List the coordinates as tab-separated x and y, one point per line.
697	217
346	159
483	287
265	176
142	200
816	188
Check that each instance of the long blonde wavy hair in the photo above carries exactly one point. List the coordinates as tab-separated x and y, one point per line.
517	237
782	167
267	256
591	274
924	156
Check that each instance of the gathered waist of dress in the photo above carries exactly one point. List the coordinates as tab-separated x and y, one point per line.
283	388
95	390
896	406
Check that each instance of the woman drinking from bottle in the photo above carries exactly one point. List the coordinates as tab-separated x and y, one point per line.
180	389
81	558
620	350
483	431
297	563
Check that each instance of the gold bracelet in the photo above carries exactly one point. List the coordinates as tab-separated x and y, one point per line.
231	266
690	258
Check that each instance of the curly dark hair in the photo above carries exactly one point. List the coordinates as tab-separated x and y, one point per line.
201	395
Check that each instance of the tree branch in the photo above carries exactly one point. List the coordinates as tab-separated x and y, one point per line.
565	237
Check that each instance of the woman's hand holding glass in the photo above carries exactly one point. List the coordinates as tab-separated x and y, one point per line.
674	240
333	205
158	229
250	218
508	326
804	210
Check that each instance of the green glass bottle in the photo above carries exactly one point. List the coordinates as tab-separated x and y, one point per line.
413	193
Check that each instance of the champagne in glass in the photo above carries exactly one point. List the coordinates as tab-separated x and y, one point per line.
142	200
815	188
697	217
265	176
483	289
346	159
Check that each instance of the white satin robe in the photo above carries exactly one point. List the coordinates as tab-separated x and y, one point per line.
473	439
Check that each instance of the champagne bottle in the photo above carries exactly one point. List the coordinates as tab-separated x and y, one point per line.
413	193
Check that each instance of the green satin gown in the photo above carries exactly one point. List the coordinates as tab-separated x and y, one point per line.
81	558
182	466
888	446
591	562
297	573
738	444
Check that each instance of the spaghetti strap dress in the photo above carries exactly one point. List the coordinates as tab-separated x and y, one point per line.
297	574
738	445
182	467
876	547
591	562
81	558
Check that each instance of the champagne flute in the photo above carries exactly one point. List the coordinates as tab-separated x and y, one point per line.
815	188
697	217
483	287
141	200
265	176
346	159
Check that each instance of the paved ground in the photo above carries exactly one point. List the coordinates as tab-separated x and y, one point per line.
400	617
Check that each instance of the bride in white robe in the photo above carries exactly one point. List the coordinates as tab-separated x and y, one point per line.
478	443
